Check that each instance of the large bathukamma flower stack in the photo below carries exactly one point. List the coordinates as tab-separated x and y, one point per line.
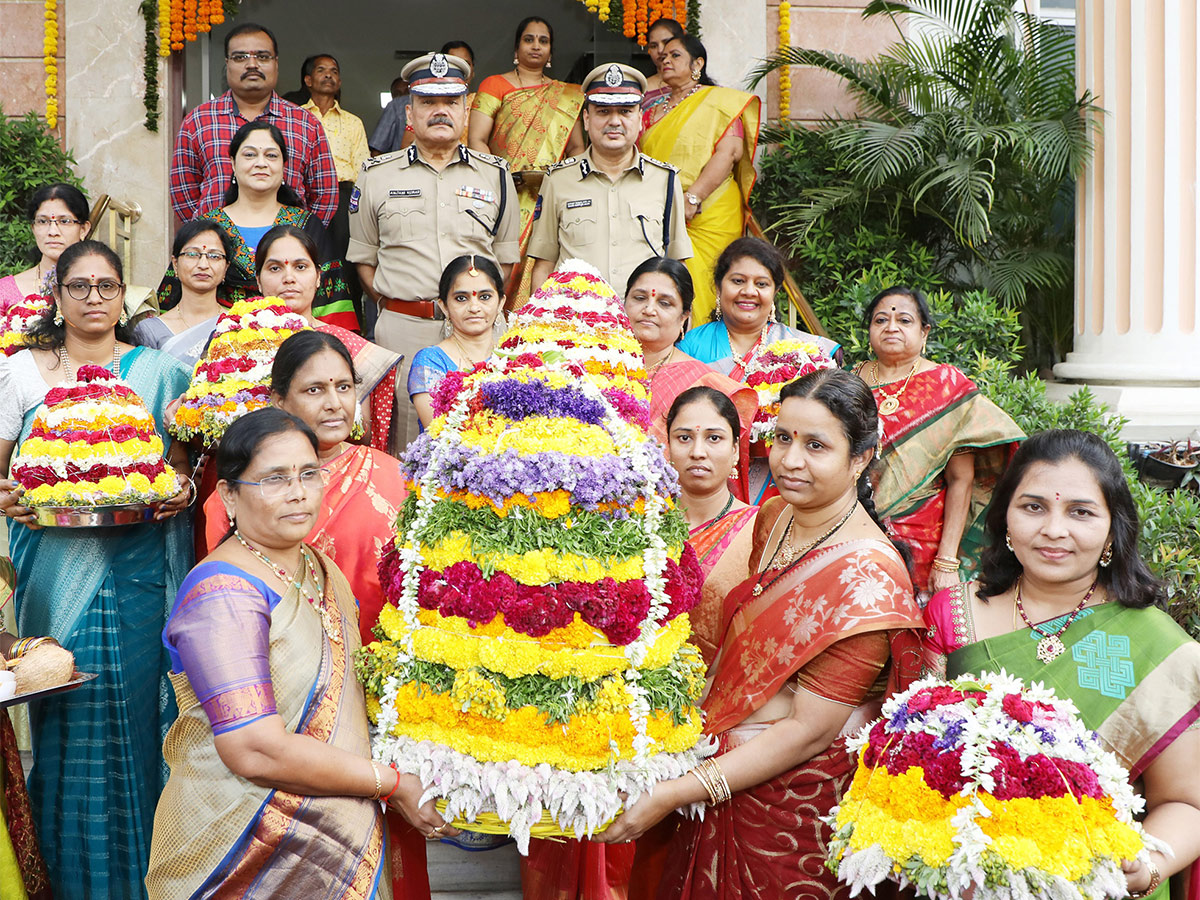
532	662
18	320
93	443
234	375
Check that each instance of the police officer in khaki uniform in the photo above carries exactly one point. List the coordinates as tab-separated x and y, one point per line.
612	206
415	210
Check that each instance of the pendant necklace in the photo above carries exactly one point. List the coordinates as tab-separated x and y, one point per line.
304	571
891	402
1051	645
792	556
658	365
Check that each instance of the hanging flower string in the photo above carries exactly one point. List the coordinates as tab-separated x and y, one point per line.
50	60
785	73
182	21
636	16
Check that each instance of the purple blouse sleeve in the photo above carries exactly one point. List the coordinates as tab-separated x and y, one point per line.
219	634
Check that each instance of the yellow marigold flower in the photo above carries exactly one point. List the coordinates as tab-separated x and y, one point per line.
536	566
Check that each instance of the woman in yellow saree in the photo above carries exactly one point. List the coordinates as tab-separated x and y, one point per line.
709	133
529	119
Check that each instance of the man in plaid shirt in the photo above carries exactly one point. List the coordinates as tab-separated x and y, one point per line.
201	169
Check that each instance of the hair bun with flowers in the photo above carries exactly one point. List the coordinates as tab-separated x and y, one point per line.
93	443
234	375
532	663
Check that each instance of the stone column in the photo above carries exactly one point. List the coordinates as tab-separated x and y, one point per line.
1137	221
116	155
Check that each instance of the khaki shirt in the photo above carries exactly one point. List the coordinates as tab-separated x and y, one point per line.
409	220
614	225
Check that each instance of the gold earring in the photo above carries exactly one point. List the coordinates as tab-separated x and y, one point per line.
1008	540
1106	556
514	62
232	520
58	316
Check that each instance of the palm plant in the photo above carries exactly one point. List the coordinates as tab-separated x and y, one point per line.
969	137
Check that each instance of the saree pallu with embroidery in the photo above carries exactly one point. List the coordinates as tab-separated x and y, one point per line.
219	836
1133	674
686	137
103	593
723	549
768	841
941	413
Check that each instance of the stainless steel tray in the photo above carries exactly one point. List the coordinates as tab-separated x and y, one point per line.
78	679
94	516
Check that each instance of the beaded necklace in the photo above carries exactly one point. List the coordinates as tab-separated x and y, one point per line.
307	569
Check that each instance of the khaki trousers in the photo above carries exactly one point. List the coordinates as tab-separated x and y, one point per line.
405	334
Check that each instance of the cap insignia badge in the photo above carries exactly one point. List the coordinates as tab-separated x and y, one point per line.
439	66
614	76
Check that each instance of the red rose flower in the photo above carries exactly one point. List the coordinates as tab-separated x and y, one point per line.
1017	708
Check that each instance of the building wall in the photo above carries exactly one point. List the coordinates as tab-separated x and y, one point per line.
22	77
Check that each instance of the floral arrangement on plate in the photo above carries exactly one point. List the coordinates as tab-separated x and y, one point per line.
532	663
16	321
773	367
986	784
234	375
93	443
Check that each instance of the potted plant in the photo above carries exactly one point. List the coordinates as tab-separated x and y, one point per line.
1170	463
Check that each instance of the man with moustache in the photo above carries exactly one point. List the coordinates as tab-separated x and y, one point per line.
201	168
612	206
415	210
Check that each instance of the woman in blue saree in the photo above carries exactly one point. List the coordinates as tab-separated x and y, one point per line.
103	594
272	790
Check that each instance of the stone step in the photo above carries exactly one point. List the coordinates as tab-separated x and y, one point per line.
457	874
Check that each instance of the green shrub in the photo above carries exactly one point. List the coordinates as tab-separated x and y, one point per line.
30	156
1170	541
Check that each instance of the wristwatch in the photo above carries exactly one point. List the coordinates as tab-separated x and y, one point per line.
692	199
1155	880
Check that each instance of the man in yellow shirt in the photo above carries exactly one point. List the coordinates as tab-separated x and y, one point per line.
347	142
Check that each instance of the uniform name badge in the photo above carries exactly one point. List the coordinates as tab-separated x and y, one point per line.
478	194
408	192
578	204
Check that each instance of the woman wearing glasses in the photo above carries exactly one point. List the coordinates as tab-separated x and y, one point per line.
100	592
272	784
200	257
58	215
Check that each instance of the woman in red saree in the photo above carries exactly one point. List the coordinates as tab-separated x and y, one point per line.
658	301
704	429
529	119
944	444
813	639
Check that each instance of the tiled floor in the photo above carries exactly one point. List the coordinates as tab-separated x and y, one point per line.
456	874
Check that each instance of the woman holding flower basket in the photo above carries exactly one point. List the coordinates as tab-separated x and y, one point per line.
1064	599
812	640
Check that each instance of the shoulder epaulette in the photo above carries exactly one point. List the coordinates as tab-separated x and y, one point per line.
569	161
659	163
382	158
499	161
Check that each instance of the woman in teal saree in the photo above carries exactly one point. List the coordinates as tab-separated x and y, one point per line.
102	593
1064	599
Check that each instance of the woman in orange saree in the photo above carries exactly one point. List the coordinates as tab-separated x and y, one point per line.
710	134
813	639
532	121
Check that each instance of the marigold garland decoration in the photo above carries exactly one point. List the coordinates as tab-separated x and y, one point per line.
989	786
93	443
785	73
637	15
182	21
532	665
50	62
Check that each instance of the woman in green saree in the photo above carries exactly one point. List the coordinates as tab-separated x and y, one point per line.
1064	599
102	593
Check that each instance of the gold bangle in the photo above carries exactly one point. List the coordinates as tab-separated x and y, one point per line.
1155	881
702	775
947	560
719	776
378	782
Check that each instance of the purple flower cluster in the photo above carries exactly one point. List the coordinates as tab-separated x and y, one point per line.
518	400
590	480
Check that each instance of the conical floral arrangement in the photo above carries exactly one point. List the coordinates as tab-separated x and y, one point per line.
18	320
532	662
234	375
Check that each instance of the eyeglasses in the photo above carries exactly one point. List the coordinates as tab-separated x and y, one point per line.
211	255
241	56
60	221
81	290
275	487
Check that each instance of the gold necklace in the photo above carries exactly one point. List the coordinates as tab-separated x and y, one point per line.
463	350
658	365
672	102
307	569
792	556
891	402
